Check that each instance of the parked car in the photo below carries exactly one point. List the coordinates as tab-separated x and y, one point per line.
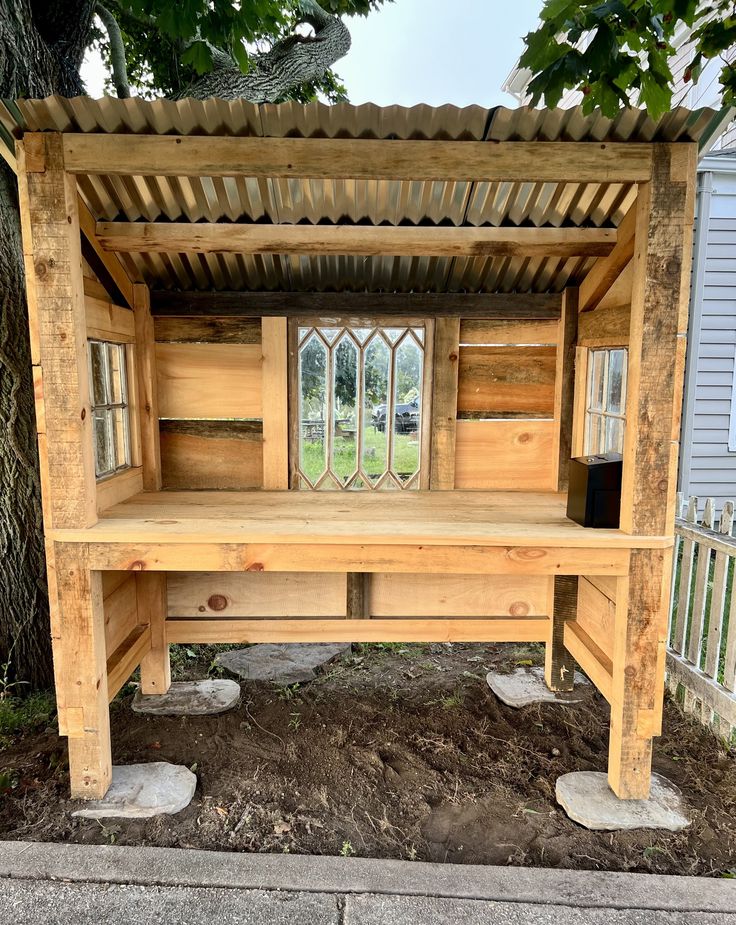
406	416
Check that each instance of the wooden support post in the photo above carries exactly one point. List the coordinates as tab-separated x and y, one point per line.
81	672
565	383
358	596
559	665
661	267
275	391
444	402
145	349
152	610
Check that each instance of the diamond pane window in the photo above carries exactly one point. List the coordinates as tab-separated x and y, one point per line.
110	409
360	392
605	416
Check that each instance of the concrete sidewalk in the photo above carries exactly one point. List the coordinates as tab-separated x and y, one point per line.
48	883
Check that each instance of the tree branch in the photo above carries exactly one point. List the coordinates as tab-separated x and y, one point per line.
292	62
117	51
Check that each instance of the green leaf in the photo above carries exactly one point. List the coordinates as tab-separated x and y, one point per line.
199	56
655	95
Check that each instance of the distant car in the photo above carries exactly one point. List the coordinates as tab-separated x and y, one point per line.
406	416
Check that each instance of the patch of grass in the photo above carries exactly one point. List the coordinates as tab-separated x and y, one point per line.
24	714
406	454
347	850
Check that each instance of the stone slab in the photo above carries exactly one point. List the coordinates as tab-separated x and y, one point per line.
527	685
139	791
190	698
281	663
586	798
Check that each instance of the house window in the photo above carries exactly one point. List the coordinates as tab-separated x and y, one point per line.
110	409
360	406
605	412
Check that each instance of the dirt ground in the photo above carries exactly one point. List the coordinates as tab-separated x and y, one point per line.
394	752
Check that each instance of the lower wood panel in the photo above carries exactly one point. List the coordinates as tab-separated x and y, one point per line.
211	454
506	455
257	594
529	629
397	595
495	379
120	608
596	615
592	659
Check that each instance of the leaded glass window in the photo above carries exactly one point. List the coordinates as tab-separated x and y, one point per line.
110	408
605	416
361	414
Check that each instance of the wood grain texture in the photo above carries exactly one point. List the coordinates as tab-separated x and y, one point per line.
662	263
426	595
275	388
126	658
559	666
147	379
506	378
151	604
357	595
209	380
605	327
444	402
492	331
121	613
106	321
360	240
530	629
117	488
257	594
596	615
513	305
356	159
506	455
605	270
55	288
107	267
580	393
211	455
188	329
593	660
80	669
565	384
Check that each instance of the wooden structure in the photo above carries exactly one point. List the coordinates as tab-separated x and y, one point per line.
196	233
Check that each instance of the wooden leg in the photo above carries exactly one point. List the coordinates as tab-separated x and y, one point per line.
559	666
151	598
639	647
81	672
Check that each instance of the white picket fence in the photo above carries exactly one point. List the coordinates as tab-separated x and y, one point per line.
701	655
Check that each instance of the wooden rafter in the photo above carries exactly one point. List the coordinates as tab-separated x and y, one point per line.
367	240
359	159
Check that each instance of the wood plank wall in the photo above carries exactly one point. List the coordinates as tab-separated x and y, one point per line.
210	404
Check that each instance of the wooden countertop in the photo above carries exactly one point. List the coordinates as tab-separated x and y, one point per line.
437	518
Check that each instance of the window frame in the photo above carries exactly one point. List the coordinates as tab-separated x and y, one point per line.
603	413
420	481
109	407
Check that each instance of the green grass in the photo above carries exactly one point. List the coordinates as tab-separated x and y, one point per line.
406	455
24	714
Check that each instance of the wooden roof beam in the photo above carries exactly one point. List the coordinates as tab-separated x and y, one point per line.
365	240
605	271
106	266
511	305
359	159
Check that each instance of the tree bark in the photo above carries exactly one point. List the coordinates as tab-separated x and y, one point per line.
40	53
292	62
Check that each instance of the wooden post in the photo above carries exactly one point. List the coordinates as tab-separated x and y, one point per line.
145	349
81	672
150	588
56	313
661	266
559	665
565	383
444	402
357	595
275	403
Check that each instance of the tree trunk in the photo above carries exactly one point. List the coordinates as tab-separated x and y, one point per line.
30	65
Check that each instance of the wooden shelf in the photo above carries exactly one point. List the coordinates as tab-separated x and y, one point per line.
437	518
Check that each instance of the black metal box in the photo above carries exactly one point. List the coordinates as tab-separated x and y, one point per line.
594	493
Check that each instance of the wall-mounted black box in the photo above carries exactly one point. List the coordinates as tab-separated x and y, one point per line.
594	493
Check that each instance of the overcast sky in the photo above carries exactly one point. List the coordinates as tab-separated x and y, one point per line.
425	51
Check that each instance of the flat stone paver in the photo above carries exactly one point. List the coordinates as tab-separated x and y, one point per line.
281	663
139	791
190	698
586	798
524	686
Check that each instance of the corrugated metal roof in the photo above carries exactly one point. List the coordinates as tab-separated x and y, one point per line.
244	198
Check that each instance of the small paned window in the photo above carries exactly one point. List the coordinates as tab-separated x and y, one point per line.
605	411
110	409
360	406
